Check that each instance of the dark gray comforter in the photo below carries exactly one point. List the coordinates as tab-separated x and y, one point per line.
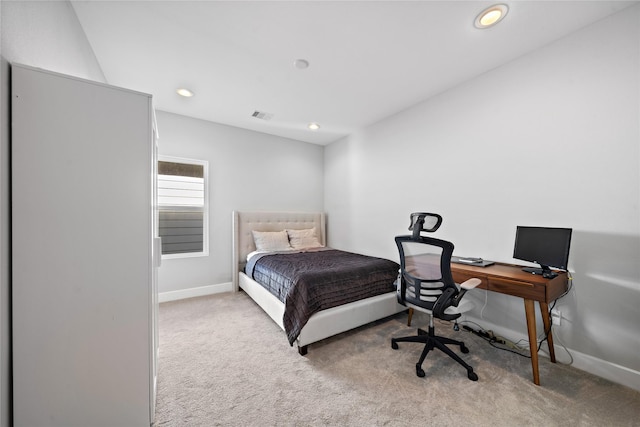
307	282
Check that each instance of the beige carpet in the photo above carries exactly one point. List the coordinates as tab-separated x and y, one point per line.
224	362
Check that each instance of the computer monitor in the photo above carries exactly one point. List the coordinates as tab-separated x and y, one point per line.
546	246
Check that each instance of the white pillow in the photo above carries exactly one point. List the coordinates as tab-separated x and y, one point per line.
303	239
271	240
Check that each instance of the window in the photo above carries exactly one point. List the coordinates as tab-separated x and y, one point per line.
183	207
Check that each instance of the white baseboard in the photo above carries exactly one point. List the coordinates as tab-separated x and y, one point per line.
602	368
194	292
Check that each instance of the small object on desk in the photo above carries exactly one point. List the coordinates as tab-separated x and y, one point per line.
469	259
478	262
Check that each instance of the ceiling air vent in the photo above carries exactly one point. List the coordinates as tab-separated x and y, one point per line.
262	115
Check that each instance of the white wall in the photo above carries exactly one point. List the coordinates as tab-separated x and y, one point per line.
551	139
247	171
46	35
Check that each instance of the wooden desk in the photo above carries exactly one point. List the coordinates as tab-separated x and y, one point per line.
511	280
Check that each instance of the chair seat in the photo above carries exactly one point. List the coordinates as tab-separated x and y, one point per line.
463	307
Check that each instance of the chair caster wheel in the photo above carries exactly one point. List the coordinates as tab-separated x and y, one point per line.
472	376
419	371
464	349
394	345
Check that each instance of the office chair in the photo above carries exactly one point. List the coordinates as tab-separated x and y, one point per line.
425	284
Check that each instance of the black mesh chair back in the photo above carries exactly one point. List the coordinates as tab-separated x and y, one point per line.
425	266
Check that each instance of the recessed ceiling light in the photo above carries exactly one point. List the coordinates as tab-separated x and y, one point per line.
491	16
301	64
313	126
185	92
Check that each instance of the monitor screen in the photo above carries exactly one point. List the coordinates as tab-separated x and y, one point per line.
546	246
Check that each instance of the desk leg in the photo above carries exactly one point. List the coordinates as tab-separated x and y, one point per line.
544	309
529	309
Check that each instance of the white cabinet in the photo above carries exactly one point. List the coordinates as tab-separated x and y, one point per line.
83	254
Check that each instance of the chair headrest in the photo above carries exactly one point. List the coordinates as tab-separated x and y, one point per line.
424	221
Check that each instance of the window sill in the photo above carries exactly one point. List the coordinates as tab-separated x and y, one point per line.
186	255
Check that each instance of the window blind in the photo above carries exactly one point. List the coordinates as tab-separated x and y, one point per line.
181	202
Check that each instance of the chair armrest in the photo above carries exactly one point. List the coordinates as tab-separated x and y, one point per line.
464	287
470	284
444	301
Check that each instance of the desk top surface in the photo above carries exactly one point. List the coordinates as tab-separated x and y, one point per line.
510	279
503	270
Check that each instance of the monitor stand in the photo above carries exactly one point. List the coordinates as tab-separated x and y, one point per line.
544	271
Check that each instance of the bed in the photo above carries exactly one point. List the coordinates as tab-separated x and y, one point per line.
322	324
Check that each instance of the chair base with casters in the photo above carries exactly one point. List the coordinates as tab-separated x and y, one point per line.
431	342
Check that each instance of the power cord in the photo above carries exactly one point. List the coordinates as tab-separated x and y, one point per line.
486	300
557	336
498	342
551	324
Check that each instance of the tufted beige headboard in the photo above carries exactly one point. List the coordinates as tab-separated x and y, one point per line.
245	222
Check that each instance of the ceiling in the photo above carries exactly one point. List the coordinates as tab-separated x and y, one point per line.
368	59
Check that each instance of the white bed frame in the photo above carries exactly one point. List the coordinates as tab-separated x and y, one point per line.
323	324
